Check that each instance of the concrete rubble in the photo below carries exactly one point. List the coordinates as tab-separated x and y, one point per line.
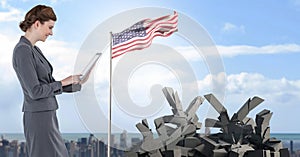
239	136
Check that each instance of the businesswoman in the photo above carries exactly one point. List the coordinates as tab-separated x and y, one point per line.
34	72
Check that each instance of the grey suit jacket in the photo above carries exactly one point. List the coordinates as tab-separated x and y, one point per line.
35	76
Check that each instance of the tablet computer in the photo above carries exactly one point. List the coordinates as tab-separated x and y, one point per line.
89	67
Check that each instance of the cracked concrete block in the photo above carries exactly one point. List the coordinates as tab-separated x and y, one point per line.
145	131
215	103
241	149
189	142
247	107
188	130
151	145
174	101
145	123
179	121
220	153
262	124
155	153
193	107
213	123
284	152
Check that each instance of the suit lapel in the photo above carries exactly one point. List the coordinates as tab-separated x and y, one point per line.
42	58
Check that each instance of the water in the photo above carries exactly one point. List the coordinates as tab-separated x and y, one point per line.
287	137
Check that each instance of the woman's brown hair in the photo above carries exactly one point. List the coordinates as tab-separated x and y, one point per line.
41	13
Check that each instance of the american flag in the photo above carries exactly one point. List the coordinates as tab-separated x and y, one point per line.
140	35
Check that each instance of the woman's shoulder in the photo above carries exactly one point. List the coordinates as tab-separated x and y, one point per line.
23	47
22	51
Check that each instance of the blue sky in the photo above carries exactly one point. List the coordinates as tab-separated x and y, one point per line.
259	43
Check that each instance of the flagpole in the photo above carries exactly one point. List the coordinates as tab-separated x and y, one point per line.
110	99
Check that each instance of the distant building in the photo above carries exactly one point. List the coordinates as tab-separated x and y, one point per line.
22	152
13	148
4	145
101	149
123	140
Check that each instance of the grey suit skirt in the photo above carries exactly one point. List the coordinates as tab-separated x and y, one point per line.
42	135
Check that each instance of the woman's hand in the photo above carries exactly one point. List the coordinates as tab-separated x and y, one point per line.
85	78
73	79
87	75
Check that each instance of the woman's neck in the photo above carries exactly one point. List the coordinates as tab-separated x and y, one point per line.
30	37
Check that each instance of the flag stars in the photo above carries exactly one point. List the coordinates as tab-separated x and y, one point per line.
136	30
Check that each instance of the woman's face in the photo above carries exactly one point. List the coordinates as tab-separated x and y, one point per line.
45	29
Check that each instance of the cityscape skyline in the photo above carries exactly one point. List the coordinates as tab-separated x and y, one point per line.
90	146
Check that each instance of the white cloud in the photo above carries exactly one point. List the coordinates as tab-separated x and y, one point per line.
257	83
144	78
12	14
281	97
250	84
3	3
231	51
61	55
229	27
53	1
191	54
212	81
6	58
